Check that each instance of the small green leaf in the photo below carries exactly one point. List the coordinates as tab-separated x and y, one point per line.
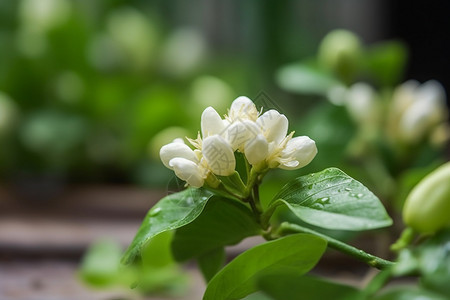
295	254
171	212
431	260
305	79
223	222
100	264
332	199
210	263
290	287
386	62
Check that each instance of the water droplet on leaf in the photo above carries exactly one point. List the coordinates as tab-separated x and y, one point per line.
155	211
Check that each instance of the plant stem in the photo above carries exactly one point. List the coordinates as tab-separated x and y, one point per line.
369	259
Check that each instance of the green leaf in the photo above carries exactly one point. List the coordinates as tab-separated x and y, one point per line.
332	199
210	263
431	260
100	264
305	79
223	222
294	254
156	253
171	212
408	293
290	287
386	62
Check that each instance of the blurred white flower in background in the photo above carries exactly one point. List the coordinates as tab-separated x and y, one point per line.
183	52
417	111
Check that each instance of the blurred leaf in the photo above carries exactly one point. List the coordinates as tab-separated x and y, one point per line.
305	78
100	264
222	222
210	263
387	61
332	199
431	260
408	293
294	254
171	212
289	287
156	253
332	129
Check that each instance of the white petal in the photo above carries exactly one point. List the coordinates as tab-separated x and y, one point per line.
211	122
274	125
219	155
188	171
360	101
301	150
257	150
243	108
404	95
239	133
176	149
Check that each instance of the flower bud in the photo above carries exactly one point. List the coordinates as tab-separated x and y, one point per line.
219	155
298	152
340	52
243	108
211	122
426	111
427	208
176	149
257	149
188	171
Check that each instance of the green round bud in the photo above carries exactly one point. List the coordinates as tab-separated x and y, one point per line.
427	208
340	52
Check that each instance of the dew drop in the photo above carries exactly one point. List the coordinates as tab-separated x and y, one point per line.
348	189
155	211
317	206
324	200
359	195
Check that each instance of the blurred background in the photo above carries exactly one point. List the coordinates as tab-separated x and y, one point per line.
90	90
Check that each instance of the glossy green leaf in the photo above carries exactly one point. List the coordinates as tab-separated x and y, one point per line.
332	199
171	212
294	254
305	79
290	287
222	222
210	263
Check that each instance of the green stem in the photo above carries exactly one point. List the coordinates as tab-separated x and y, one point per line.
369	259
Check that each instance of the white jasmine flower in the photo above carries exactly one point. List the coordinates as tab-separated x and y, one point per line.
299	152
276	147
176	149
241	109
274	126
211	122
188	171
257	150
239	133
219	155
417	109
